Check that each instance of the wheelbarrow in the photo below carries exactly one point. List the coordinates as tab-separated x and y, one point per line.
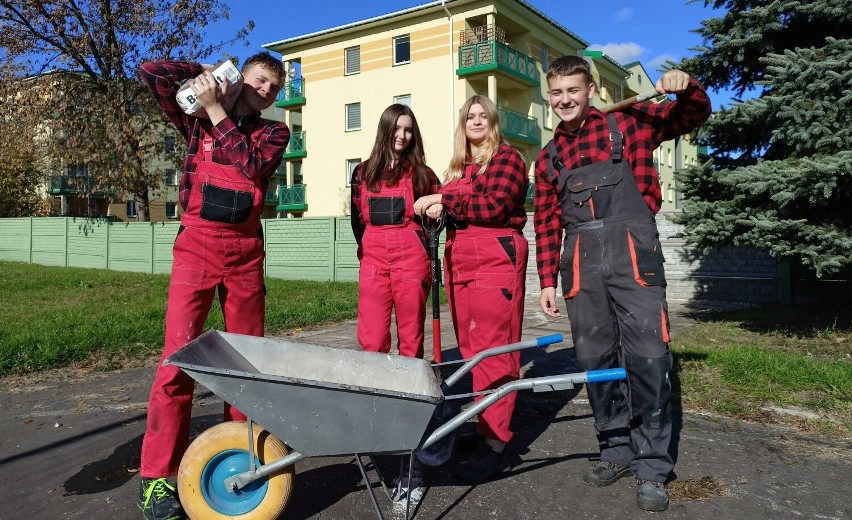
312	401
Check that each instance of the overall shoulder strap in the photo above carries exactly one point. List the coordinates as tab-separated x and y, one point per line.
616	137
555	164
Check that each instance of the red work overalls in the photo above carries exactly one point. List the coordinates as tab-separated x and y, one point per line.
485	279
219	245
394	272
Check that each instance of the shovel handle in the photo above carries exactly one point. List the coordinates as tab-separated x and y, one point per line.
621	105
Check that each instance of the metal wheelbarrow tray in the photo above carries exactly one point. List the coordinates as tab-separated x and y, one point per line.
325	401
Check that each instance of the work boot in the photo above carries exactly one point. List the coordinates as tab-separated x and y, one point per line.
604	473
158	500
484	464
651	496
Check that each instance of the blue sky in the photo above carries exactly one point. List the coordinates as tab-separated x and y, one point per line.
650	31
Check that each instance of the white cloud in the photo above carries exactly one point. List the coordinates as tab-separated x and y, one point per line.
620	52
656	63
622	15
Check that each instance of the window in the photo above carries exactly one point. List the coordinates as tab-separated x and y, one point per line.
78	170
401	49
171	210
405	99
352	60
351	164
131	209
353	116
169	144
545	57
171	177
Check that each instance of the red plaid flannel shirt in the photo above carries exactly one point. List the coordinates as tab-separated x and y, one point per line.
358	225
497	195
253	145
645	126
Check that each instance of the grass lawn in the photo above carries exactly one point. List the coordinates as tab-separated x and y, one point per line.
795	358
58	316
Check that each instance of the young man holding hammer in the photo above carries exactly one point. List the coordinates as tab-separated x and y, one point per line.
596	184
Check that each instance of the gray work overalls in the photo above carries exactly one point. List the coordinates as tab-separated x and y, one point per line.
614	287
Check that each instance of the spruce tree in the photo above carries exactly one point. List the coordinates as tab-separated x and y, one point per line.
780	171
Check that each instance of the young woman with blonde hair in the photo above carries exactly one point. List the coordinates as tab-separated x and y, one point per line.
485	263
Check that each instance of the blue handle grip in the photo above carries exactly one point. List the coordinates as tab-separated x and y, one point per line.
549	340
610	374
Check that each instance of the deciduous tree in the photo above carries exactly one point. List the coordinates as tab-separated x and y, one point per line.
95	111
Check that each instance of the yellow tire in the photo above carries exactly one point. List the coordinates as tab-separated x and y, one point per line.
221	452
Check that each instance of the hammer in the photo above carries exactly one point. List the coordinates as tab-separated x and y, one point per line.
621	105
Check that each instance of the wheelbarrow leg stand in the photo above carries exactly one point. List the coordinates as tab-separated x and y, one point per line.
369	485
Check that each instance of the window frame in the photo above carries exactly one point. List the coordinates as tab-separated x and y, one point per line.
346	126
171	177
174	212
130	209
351	164
347	60
394	44
398	99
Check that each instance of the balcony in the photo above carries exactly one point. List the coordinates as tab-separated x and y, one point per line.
67	185
518	126
296	149
484	49
292	198
292	94
271	197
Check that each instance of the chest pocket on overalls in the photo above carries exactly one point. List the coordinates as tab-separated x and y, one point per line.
595	188
226	201
386	211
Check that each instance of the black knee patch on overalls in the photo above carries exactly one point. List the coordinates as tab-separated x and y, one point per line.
607	398
650	389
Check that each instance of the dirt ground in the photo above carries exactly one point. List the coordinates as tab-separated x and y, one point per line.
70	449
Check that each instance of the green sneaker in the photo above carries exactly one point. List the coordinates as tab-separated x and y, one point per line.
158	500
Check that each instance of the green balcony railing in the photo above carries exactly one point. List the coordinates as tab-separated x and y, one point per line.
296	148
67	185
291	94
494	55
521	127
292	198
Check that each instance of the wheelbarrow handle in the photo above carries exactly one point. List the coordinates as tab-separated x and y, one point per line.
496	351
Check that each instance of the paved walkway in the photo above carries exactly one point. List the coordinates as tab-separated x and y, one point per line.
70	443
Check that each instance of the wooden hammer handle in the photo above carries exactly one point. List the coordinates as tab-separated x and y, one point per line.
621	105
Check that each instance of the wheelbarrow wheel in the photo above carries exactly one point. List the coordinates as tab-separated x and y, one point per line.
221	452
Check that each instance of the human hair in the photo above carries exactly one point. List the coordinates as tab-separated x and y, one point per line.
568	66
384	165
461	147
267	61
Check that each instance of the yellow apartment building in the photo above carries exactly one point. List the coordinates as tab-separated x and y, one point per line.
431	57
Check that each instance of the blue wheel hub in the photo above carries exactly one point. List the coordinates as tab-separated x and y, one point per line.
224	465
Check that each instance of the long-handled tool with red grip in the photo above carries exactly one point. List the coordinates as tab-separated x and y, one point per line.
621	105
433	229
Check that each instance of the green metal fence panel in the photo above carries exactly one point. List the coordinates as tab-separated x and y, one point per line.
87	242
346	263
131	247
15	239
49	241
164	239
300	248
